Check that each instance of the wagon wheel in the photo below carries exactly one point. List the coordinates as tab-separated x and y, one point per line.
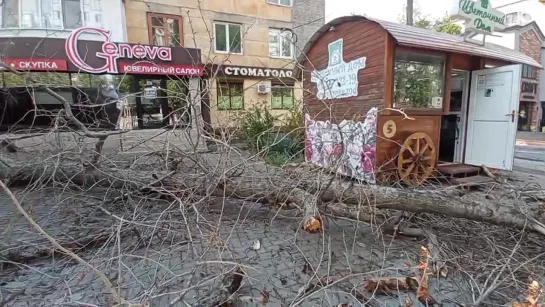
416	159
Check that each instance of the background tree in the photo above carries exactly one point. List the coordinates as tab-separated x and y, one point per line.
415	83
444	24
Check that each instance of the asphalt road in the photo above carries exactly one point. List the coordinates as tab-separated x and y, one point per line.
530	158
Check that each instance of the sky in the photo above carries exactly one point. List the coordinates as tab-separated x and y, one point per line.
383	9
390	9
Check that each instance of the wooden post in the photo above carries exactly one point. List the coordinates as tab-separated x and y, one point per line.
410	12
135	88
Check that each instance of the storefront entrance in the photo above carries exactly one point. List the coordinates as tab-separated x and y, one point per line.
158	103
525	116
130	85
493	105
454	122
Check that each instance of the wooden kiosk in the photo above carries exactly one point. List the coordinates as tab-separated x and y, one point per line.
390	101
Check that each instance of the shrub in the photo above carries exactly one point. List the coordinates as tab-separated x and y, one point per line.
256	123
257	126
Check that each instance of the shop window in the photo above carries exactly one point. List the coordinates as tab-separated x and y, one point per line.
282	97
51	14
529	72
280	2
280	43
529	88
418	79
42	78
230	96
228	38
165	30
42	97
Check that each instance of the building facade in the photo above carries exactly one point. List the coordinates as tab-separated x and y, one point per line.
527	38
58	18
249	47
34	37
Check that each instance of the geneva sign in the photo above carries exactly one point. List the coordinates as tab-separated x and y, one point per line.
479	15
111	52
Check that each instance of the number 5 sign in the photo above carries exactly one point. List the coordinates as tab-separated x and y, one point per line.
389	129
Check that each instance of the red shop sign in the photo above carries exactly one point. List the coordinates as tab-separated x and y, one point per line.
37	64
150	68
112	52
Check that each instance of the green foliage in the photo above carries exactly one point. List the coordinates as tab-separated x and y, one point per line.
257	125
416	83
294	122
444	24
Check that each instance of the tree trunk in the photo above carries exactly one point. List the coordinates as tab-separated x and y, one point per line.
340	198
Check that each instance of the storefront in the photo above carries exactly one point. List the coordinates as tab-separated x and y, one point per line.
92	74
234	88
393	102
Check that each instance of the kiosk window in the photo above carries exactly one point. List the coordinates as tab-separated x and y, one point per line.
418	78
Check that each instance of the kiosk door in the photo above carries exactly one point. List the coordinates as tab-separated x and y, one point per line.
492	118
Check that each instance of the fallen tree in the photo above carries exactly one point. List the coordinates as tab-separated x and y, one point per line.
315	193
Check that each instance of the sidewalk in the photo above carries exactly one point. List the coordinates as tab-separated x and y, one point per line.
531	138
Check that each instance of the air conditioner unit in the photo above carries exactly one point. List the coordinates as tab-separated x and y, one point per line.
263	88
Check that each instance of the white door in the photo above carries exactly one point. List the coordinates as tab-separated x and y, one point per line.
492	118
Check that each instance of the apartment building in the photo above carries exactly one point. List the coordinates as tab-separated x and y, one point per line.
35	38
248	46
524	21
58	18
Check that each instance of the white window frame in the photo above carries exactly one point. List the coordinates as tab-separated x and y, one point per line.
226	24
277	2
82	9
280	41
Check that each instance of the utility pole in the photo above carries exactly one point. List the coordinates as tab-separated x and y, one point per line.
409	12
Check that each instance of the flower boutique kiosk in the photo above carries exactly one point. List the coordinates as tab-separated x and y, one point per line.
387	101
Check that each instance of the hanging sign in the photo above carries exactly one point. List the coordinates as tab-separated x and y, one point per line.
150	92
339	79
480	16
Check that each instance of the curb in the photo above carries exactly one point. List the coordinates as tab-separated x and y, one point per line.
530	142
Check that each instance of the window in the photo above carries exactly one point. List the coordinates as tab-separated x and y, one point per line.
280	2
280	43
282	97
418	78
529	88
529	72
165	30
71	14
228	37
230	96
51	14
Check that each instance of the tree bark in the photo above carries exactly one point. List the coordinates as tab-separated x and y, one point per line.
339	198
